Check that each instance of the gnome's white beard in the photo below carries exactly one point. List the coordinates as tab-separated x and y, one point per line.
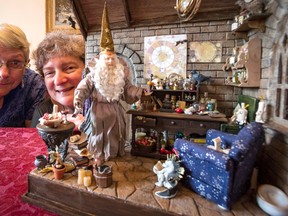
109	80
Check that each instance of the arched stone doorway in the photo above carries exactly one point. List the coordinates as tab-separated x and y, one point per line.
129	59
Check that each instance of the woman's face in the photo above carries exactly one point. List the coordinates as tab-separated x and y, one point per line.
12	69
61	76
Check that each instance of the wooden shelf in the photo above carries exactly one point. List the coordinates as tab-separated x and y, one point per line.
253	22
252	65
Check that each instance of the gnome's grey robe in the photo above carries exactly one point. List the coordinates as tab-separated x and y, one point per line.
107	122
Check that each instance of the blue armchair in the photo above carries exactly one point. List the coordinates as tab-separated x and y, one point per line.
220	177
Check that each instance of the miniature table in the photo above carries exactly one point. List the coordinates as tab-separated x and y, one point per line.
173	122
56	136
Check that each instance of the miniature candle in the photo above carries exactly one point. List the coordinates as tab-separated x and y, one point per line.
87	181
55	109
81	175
88	173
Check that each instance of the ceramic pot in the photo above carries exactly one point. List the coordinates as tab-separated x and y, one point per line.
40	161
59	173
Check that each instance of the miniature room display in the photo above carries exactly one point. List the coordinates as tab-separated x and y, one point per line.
168	174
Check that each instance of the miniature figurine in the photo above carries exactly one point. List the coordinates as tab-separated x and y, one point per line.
108	84
58	168
199	78
168	174
217	143
241	115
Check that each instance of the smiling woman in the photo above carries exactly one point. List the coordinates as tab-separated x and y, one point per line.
60	60
21	89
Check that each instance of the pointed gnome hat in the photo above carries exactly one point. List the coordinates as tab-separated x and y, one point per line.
106	43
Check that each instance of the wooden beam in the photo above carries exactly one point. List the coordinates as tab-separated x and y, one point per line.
126	12
80	16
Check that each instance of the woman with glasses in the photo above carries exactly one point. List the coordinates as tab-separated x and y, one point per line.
21	89
60	59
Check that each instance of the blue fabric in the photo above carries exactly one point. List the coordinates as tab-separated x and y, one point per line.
219	177
20	103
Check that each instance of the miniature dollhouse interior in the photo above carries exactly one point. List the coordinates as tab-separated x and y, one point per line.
200	142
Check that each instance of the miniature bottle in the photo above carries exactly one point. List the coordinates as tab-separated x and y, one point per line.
202	105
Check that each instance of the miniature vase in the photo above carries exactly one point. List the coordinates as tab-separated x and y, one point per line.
40	161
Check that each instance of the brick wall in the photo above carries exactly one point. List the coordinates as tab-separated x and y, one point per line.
216	31
273	163
273	166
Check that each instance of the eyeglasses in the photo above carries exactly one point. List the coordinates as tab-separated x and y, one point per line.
13	65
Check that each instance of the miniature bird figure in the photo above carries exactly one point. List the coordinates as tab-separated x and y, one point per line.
180	42
199	77
72	22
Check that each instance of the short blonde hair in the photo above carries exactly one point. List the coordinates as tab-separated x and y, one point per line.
58	44
12	37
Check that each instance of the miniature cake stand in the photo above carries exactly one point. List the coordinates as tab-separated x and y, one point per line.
56	136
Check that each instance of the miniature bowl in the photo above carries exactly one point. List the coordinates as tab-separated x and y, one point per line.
140	135
272	200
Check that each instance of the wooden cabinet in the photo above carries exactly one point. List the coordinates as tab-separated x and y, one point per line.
154	124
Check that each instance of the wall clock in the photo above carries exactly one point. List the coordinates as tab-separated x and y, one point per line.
164	55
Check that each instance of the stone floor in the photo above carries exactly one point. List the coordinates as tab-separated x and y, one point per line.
134	182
